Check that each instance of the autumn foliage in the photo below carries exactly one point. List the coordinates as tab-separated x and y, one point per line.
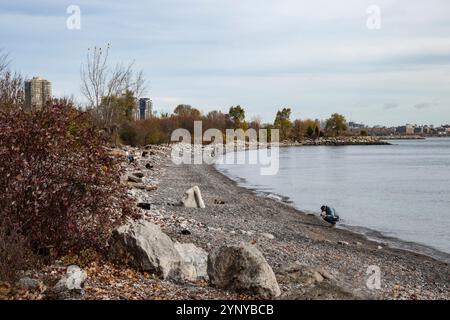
60	189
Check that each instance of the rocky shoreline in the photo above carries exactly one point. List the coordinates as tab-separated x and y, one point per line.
339	141
410	137
310	260
297	255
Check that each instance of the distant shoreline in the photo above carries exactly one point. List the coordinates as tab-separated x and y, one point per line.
339	141
403	137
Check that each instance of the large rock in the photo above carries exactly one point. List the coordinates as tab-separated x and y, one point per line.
132	178
72	280
192	198
242	268
194	262
147	248
305	275
138	174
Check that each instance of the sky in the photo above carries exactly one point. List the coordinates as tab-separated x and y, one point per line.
315	57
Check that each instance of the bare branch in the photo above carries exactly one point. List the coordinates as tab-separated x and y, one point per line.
11	89
102	85
4	61
140	85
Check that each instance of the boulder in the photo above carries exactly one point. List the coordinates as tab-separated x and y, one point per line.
132	178
185	232
144	205
194	262
140	186
138	174
72	280
146	248
242	268
192	198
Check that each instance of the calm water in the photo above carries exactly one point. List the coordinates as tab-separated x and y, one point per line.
402	191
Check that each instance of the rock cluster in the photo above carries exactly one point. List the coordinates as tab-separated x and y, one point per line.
240	268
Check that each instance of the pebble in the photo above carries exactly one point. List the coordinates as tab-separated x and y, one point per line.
268	236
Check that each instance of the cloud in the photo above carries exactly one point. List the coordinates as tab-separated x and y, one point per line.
425	105
260	54
389	106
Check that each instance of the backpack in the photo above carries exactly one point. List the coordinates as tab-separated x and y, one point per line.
334	213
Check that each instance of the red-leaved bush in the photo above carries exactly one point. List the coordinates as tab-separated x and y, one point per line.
58	185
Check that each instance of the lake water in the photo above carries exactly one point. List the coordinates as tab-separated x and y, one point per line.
401	191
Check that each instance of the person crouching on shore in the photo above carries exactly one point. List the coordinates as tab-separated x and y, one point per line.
329	215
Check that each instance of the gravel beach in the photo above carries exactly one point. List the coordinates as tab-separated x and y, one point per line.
310	259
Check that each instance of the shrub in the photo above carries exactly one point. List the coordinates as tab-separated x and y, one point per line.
60	188
128	134
14	253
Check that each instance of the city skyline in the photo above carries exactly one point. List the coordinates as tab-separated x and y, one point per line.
38	90
316	59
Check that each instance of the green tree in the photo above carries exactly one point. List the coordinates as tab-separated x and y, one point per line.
120	109
237	115
317	131
186	111
128	133
128	105
336	124
283	123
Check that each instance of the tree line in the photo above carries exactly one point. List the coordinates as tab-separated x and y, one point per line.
158	129
112	92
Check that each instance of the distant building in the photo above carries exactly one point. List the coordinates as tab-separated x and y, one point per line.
144	109
381	131
407	129
418	130
354	125
38	92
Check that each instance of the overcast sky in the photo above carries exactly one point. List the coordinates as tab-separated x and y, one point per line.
315	58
